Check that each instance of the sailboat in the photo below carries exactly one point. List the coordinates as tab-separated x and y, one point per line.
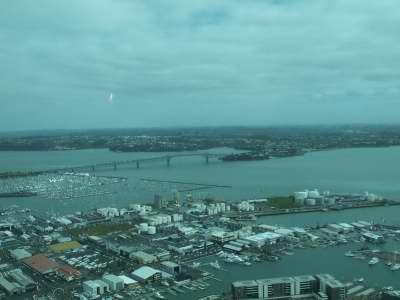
215	264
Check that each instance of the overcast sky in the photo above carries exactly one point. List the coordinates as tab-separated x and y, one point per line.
197	62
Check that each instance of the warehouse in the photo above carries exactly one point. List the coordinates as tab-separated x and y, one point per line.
19	254
128	282
23	280
147	274
41	264
143	257
10	287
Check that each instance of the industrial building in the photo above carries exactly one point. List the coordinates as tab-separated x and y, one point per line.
170	267
128	282
94	288
143	257
147	274
19	254
41	264
260	239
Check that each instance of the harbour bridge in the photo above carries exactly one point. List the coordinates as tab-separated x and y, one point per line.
114	165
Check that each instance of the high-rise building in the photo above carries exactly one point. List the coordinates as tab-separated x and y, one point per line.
276	287
334	289
319	287
245	290
176	197
160	202
305	284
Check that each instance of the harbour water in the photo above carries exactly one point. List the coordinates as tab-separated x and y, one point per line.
350	170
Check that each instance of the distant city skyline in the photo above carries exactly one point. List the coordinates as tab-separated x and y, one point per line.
125	64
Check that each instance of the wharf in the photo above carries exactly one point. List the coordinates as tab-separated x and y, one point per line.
315	209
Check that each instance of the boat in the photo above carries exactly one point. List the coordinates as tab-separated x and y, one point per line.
215	264
158	295
395	267
359	280
247	263
373	261
349	254
360	256
196	265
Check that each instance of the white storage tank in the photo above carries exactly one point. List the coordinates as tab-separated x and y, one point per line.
311	202
151	230
313	194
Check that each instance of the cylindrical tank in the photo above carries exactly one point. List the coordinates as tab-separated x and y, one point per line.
313	194
311	202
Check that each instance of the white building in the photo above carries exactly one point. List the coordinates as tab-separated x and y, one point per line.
94	288
147	274
114	282
260	239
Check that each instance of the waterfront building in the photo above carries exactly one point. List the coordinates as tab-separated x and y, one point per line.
245	290
305	284
261	239
276	287
334	289
171	267
222	236
320	287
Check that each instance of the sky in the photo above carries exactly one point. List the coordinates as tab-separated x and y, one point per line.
128	63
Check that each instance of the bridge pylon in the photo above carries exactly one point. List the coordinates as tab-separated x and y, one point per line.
168	161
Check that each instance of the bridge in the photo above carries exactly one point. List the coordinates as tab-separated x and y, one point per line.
114	165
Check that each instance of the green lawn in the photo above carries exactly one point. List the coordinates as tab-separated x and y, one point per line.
100	229
282	202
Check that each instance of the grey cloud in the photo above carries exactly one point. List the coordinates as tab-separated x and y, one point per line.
181	58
